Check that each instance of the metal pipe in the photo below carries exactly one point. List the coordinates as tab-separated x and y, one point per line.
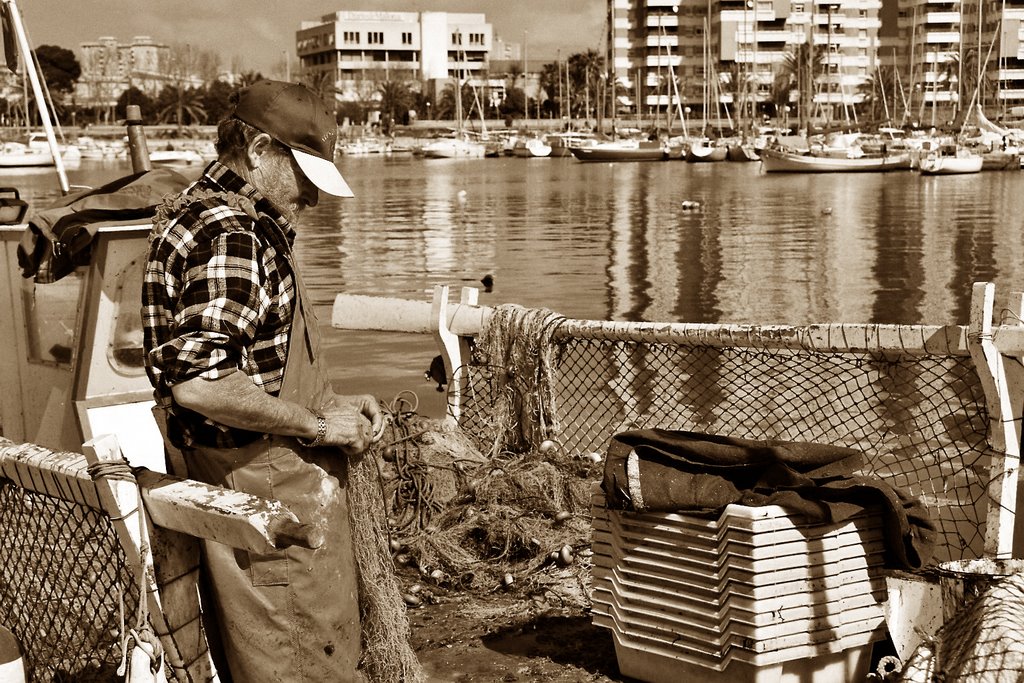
137	147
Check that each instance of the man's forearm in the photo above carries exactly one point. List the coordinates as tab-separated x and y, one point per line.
234	400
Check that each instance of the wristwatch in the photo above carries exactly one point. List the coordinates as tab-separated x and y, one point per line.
321	431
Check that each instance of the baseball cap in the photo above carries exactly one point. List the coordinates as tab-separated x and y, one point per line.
295	116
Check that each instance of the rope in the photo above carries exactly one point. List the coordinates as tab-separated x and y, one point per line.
412	490
120	470
387	656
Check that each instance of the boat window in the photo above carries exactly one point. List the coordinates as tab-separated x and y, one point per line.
51	318
124	351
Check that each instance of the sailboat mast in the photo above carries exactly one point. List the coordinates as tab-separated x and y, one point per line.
37	91
458	82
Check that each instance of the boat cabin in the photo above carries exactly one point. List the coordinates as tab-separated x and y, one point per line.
74	366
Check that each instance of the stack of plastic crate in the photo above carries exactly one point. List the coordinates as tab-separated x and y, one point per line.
753	594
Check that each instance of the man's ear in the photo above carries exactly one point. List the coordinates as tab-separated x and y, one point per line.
256	148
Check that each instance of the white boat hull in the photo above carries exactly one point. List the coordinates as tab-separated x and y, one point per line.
454	149
531	149
621	150
958	165
777	161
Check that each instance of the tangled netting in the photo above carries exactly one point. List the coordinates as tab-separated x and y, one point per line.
981	642
469	521
65	589
517	346
387	656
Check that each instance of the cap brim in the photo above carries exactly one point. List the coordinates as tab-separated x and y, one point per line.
323	173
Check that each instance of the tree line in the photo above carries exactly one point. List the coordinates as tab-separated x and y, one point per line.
577	88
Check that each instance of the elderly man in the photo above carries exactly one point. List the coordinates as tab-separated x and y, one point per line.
232	351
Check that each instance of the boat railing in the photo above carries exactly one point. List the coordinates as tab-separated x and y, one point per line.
936	410
84	536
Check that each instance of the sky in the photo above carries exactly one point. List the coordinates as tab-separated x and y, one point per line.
256	35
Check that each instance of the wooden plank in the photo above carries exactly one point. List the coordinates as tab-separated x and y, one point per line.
231	517
122	501
57	474
910	340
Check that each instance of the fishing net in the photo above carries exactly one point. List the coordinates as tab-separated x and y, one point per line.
516	345
465	520
64	586
981	642
916	410
387	656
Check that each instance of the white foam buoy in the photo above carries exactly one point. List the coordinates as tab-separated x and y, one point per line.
12	666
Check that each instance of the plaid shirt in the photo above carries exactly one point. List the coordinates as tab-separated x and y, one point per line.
218	297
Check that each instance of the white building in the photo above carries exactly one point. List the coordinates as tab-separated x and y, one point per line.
358	49
700	44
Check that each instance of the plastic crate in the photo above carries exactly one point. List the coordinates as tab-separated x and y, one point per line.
715	646
740	595
655	666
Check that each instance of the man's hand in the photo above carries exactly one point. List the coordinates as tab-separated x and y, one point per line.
353	422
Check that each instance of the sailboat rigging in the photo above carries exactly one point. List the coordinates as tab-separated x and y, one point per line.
16	153
459	144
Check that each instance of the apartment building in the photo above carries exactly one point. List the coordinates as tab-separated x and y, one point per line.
955	54
939	56
358	49
728	51
110	67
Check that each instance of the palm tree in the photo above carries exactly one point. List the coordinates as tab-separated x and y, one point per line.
585	71
396	99
874	92
796	72
738	85
181	106
180	96
964	70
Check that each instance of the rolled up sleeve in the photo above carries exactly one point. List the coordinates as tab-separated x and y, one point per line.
223	300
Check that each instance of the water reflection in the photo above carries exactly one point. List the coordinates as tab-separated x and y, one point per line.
616	241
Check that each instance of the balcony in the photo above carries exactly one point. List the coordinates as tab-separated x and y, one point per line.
942	37
662	41
662	20
662	61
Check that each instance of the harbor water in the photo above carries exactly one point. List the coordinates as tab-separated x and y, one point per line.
670	241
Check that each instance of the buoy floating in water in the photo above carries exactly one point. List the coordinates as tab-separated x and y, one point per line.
461	196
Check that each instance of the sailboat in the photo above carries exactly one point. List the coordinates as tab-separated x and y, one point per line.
460	144
743	149
40	149
703	149
950	159
618	148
